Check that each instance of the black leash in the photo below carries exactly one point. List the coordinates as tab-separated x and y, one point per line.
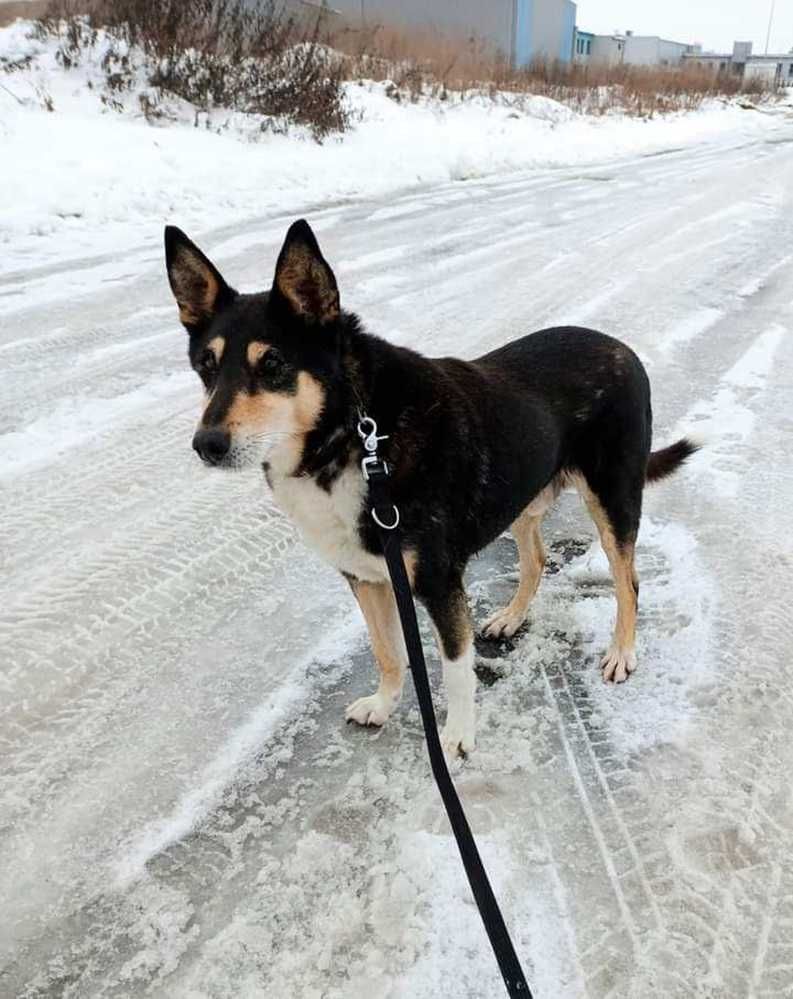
386	517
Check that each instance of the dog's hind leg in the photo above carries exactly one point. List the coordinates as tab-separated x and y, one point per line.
379	608
620	660
526	531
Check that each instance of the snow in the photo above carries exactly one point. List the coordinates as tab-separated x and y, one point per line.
82	179
77	421
234	756
695	325
184	812
724	422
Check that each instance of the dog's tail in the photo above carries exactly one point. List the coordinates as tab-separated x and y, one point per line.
669	459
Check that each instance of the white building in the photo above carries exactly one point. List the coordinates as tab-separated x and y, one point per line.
773	69
634	50
650	50
608	50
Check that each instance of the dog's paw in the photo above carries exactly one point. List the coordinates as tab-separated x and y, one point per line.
618	664
458	739
374	710
504	623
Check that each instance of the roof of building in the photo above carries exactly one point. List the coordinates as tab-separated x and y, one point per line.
656	38
752	57
768	57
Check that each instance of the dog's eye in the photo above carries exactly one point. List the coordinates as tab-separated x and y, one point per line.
271	361
207	365
207	361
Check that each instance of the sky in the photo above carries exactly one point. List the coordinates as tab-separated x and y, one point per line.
715	23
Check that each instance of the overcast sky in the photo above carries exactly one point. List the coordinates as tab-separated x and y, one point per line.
715	23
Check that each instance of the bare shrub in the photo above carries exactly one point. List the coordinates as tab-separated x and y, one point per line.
256	59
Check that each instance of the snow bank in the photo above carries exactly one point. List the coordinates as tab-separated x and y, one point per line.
83	179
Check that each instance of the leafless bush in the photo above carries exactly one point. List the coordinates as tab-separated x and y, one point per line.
213	53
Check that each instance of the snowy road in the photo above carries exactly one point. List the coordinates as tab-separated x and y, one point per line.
183	812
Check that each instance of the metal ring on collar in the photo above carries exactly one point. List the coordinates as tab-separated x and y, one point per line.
387	527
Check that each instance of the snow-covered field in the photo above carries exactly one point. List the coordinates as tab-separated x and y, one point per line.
183	812
89	179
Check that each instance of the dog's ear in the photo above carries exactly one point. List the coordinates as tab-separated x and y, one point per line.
196	283
303	280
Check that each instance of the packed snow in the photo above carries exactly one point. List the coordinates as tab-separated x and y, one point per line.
183	812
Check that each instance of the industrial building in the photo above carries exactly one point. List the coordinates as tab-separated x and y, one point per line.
608	50
635	50
650	50
522	30
525	31
773	69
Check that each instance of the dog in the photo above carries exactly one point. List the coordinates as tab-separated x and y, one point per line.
475	448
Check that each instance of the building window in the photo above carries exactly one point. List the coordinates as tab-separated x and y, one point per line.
589	50
790	70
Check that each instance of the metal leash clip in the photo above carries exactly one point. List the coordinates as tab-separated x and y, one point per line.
373	464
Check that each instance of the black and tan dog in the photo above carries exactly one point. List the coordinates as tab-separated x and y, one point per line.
476	447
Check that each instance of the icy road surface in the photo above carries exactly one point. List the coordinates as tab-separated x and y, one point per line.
183	812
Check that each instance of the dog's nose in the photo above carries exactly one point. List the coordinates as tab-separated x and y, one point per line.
212	445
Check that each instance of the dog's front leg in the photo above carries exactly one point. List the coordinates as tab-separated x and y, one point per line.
379	608
455	636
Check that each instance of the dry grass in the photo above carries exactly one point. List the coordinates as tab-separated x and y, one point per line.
638	90
458	62
429	62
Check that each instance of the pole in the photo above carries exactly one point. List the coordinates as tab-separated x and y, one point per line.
770	23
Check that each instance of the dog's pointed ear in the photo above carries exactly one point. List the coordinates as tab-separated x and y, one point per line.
304	281
196	283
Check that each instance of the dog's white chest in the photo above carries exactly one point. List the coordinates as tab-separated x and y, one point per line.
328	521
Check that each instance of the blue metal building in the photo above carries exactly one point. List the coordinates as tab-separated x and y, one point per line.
522	30
582	48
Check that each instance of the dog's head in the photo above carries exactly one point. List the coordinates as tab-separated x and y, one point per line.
268	361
